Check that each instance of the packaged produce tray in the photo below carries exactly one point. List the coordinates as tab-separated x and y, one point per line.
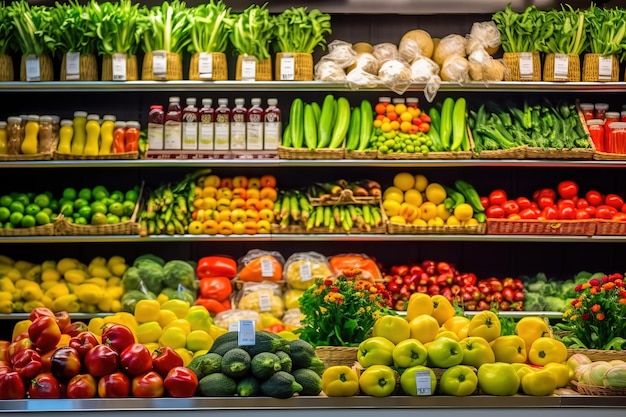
371	154
44	156
540	227
305	153
346	197
610	228
45	230
409	229
586	389
111	156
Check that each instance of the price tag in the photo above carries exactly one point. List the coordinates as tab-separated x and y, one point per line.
525	65
248	68
422	382
605	68
233	326
246	336
159	64
561	66
33	72
119	67
205	65
267	268
265	301
287	68
305	272
72	66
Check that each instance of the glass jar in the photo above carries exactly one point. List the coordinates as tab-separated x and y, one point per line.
596	131
617	138
600	110
15	133
46	138
587	110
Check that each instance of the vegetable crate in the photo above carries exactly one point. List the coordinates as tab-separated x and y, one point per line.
610	228
540	227
404	229
43	230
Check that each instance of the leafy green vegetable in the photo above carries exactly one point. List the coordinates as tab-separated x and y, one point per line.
115	25
165	27
211	24
300	32
606	30
569	36
33	25
522	32
253	30
6	29
71	28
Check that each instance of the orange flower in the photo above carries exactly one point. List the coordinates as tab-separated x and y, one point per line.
595	308
600	316
622	300
594	290
608	286
586	285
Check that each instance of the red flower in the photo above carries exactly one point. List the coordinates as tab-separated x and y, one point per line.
600	316
579	287
585	316
334	289
328	282
594	282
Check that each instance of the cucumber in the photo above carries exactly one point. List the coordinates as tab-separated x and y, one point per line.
302	353
433	135
310	127
341	125
206	364
325	126
435	118
354	130
287	142
367	124
459	127
445	132
217	385
296	121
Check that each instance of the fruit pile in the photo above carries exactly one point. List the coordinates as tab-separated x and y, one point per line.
19	210
98	205
598	373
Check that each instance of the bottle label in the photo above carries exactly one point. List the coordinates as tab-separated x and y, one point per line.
33	70
222	136
159	64
605	68
190	135
254	135
526	65
173	135
272	135
155	136
287	68
205	65
248	68
72	66
238	135
205	142
119	67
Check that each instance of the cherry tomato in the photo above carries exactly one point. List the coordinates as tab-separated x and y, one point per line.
545	201
528	214
497	197
594	198
582	203
484	200
582	214
510	207
567	189
550	213
523	203
425	118
495	212
567	213
619	217
605	212
614	201
565	203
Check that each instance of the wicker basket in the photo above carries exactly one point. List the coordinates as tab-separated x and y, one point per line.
6	68
295	229
409	229
304	153
111	156
219	67
599	354
263	69
591	68
346	197
371	154
46	71
302	66
131	68
610	228
46	156
88	68
174	67
512	64
573	68
586	389
512	153
337	355
554	153
608	156
540	227
45	230
430	155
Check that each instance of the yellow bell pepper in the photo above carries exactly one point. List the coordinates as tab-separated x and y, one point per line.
531	328
545	350
89	293
392	328
173	337
199	319
19	328
485	324
509	349
198	340
419	304
340	381
179	307
442	309
166	316
147	310
6	306
95	325
67	303
561	373
539	383
182	324
186	354
149	332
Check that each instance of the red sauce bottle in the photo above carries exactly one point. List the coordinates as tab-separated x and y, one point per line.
173	125
156	120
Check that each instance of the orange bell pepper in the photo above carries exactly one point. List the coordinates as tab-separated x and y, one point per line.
263	268
340	263
213	306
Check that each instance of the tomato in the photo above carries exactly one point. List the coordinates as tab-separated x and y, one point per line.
118	336
605	212
582	214
83	342
510	207
181	382
63	319
82	386
497	197
523	203
567	189
147	385
565	203
484	200
44	385
591	210
594	198
27	363
101	360
494	212
165	358
623	210
11	386
614	201
545	201
136	359
582	203
425	118
45	333
114	385
619	217
513	216
567	213
528	214
424	127
65	363
550	213
75	328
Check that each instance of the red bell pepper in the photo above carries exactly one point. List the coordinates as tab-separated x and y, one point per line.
181	382
118	336
45	333
82	386
65	363
135	359
213	306
63	319
115	385
83	342
216	288
11	386
4	350
165	358
75	328
216	266
101	360
40	311
147	385
27	363
44	385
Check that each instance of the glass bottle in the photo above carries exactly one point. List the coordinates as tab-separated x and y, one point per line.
587	110
131	136
190	124
617	139
45	134
66	132
80	134
222	125
14	133
600	110
106	134
156	121
272	125
238	125
4	139
609	118
206	130
173	134
93	135
596	131
254	127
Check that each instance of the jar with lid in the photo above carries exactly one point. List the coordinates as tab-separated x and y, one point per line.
596	131
131	136
4	139
609	118
56	127
617	138
600	110
587	110
412	102
15	133
45	135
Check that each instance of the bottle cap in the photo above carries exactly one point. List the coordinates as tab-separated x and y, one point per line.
14	119
93	117
80	113
174	99
191	101
45	119
595	122
207	101
66	122
240	101
108	117
601	106
33	118
222	101
3	125
256	101
272	101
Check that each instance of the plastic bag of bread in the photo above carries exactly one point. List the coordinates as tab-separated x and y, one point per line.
302	268
395	75
341	53
385	52
485	34
483	67
262	297
329	71
451	45
425	70
456	69
260	265
229	319
416	44
359	78
348	261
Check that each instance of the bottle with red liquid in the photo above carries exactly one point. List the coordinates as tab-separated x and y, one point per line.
617	138
190	124
596	131
238	125
609	118
272	125
600	110
206	133
173	125
222	125
587	110
254	127
156	120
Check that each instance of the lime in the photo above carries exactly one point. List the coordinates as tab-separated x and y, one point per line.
54	205
116	208
99	192
69	194
16	218
32	209
17	207
28	221
42	218
81	220
8	225
117	196
47	210
42	200
5	201
98	218
98	207
124	219
85	194
5	213
112	219
80	202
75	215
22	198
132	195
67	209
85	212
129	207
107	201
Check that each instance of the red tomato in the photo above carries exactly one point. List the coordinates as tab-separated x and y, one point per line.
44	385
605	212
165	358
513	216
65	363
545	201
181	382
567	189
510	207
118	336
12	386
147	385
544	192
114	385
594	198
484	200
565	203
75	328
494	212
18	345
567	213
623	210
82	386
591	210
528	214
582	214
497	197
101	360
424	127
136	359
582	203
619	217
45	333
83	342
523	203
614	201
425	118
550	213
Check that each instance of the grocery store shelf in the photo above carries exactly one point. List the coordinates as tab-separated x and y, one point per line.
519	314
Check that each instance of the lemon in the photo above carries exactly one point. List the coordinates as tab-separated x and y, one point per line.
463	212
393	193
452	221
421	182
404	181
429	210
443	212
435	193
414	197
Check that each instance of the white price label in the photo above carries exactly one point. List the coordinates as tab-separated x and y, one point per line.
246	336
205	65
248	68
159	64
526	65
267	268
422	382
119	67
305	272
265	301
33	71
605	68
561	66
233	326
72	66
287	68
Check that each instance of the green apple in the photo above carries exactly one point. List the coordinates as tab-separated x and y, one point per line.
498	378
415	381
460	381
408	353
375	351
476	351
444	353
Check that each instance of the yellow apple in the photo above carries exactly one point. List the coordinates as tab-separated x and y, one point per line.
414	197
238	215
195	227
266	214
391	207
429	210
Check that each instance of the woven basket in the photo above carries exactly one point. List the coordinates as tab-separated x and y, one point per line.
512	64
513	153
337	355
599	354
409	229
46	156
302	66
346	197
131	68
554	153
111	156
88	68
305	153
540	227
610	228
608	156
430	155
263	69
371	154
6	68
573	68
219	67
591	68
586	389
46	71
174	67
45	230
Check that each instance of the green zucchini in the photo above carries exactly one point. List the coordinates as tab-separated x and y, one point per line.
236	363
325	126
459	126
433	135
445	132
310	127
367	120
341	126
296	120
354	130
